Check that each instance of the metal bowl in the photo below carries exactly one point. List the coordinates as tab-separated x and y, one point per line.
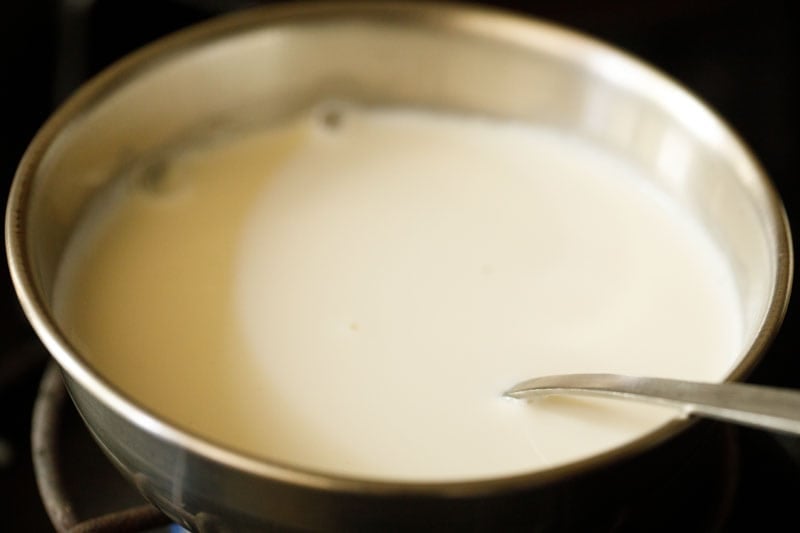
284	59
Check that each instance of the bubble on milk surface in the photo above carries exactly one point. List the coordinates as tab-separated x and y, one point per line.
152	177
331	117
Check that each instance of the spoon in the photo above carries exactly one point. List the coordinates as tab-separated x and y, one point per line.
752	405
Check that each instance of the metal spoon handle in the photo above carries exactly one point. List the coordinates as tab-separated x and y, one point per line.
752	405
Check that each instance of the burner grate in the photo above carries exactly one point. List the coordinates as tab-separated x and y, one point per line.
47	463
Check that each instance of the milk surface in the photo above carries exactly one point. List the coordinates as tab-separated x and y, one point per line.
352	293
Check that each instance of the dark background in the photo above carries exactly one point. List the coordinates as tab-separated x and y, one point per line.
737	56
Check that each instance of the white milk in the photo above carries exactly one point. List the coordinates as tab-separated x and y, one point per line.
355	298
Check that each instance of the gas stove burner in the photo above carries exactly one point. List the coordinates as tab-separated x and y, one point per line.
49	419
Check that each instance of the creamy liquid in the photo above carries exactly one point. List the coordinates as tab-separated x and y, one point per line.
355	297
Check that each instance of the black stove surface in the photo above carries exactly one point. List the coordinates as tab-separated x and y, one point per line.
738	56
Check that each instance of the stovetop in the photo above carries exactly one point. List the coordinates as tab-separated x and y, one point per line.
738	56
